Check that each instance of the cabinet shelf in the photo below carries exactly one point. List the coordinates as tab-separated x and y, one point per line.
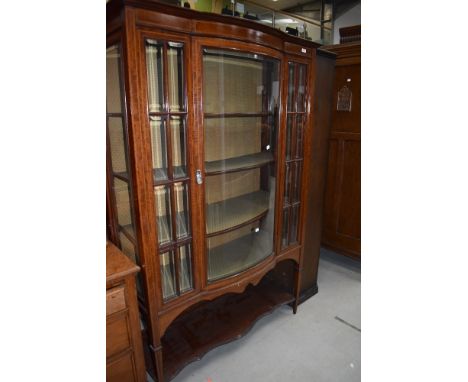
244	162
238	255
217	322
233	213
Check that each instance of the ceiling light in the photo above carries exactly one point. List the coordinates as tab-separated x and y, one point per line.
285	21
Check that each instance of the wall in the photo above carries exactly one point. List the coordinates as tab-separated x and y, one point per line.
347	19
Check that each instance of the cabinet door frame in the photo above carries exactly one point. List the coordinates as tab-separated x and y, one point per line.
146	155
306	151
198	43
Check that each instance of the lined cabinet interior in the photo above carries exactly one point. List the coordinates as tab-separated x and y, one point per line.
240	105
167	113
295	123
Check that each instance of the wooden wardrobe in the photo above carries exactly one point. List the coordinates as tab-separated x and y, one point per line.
342	211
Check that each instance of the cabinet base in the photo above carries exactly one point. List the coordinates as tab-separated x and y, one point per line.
215	323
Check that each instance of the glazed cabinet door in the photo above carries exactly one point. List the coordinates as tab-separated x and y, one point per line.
121	222
240	101
296	119
165	101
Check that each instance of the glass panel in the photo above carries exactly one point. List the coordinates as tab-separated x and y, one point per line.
241	94
258	13
284	230
235	251
185	275
301	88
242	84
236	198
122	203
287	183
139	286
175	56
127	247
158	144
113	80
154	64
163	214
182	209
299	136
293	224
178	138
296	183
289	127
291	87
117	144
168	280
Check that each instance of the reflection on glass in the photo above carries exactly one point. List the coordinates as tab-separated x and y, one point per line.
284	231
122	202
296	183
299	136
185	271
235	251
113	80
293	224
287	183
178	138
163	213
117	144
168	280
158	146
301	89
175	57
127	247
290	87
289	127
182	205
154	65
243	88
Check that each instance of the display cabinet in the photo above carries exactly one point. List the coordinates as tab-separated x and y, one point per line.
210	126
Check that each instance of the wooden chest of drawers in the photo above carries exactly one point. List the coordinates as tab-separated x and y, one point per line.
124	349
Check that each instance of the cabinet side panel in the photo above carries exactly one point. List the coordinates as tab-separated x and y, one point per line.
321	116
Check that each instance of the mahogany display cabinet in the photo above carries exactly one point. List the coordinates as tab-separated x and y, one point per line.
217	132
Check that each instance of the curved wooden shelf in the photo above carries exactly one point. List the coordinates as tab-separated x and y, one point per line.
230	214
241	163
238	255
216	323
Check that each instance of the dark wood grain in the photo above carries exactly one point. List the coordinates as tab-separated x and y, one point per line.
317	150
342	212
215	323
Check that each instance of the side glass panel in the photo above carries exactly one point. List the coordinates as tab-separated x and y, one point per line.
168	124
296	117
240	102
158	144
118	168
154	65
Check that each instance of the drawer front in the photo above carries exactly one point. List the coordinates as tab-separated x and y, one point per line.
117	336
115	300
121	369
